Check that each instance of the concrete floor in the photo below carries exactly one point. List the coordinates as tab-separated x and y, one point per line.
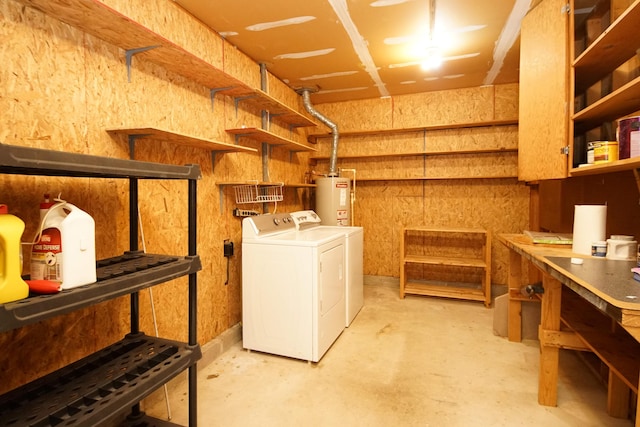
414	362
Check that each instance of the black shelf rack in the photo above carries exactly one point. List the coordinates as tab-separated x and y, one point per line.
86	392
103	386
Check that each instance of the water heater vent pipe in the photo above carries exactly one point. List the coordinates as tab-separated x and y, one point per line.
333	156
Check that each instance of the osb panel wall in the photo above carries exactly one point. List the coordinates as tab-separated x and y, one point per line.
61	89
459	106
417	110
360	115
383	207
506	102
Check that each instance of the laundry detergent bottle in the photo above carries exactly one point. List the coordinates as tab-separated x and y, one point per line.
64	248
12	287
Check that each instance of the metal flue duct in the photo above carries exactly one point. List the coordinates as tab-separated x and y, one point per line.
333	156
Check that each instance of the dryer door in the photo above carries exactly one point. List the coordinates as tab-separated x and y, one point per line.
331	296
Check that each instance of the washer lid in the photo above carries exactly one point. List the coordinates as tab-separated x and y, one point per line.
312	237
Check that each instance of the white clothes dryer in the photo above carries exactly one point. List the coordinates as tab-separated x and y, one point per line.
354	247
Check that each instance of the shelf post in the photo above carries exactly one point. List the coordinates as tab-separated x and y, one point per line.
133	246
193	304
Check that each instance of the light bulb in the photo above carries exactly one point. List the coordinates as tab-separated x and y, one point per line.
432	60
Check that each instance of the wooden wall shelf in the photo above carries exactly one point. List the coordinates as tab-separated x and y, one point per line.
617	166
164	135
618	103
314	137
262	183
262	135
96	18
434	178
610	50
419	153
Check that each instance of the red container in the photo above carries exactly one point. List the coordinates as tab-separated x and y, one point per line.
629	137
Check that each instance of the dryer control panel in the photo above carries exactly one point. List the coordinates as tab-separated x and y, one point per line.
304	219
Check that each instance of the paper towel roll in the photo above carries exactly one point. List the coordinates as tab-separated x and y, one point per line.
589	225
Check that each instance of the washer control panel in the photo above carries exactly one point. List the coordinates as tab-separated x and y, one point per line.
260	225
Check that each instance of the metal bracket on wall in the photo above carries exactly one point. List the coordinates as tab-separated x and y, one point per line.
237	136
129	55
239	99
132	144
213	92
214	153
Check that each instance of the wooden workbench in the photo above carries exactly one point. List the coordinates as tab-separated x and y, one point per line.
593	306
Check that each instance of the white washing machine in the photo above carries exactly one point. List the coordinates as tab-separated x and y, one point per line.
293	287
354	246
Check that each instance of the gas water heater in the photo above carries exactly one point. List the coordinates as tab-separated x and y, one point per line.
333	200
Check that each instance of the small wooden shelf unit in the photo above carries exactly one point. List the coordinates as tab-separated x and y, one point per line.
480	260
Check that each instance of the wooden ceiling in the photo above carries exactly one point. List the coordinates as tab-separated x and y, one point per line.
357	49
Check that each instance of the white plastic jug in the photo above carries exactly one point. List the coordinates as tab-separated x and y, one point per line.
64	251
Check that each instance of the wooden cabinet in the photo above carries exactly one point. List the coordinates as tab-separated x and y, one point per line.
458	253
544	92
564	105
605	89
100	388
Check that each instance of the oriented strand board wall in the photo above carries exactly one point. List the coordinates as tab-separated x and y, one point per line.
383	207
61	89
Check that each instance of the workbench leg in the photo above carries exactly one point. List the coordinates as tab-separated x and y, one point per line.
514	309
549	321
617	397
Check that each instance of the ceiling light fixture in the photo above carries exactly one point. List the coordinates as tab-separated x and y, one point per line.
433	54
432	59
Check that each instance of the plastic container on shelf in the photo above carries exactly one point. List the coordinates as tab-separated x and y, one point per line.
605	151
622	247
64	249
12	287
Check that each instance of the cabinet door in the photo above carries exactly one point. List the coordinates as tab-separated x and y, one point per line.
544	92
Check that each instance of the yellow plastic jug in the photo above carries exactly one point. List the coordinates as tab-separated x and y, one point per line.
12	287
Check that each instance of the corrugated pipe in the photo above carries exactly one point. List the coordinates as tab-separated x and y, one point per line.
333	156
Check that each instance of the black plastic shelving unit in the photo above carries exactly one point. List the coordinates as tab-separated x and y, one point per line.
103	386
